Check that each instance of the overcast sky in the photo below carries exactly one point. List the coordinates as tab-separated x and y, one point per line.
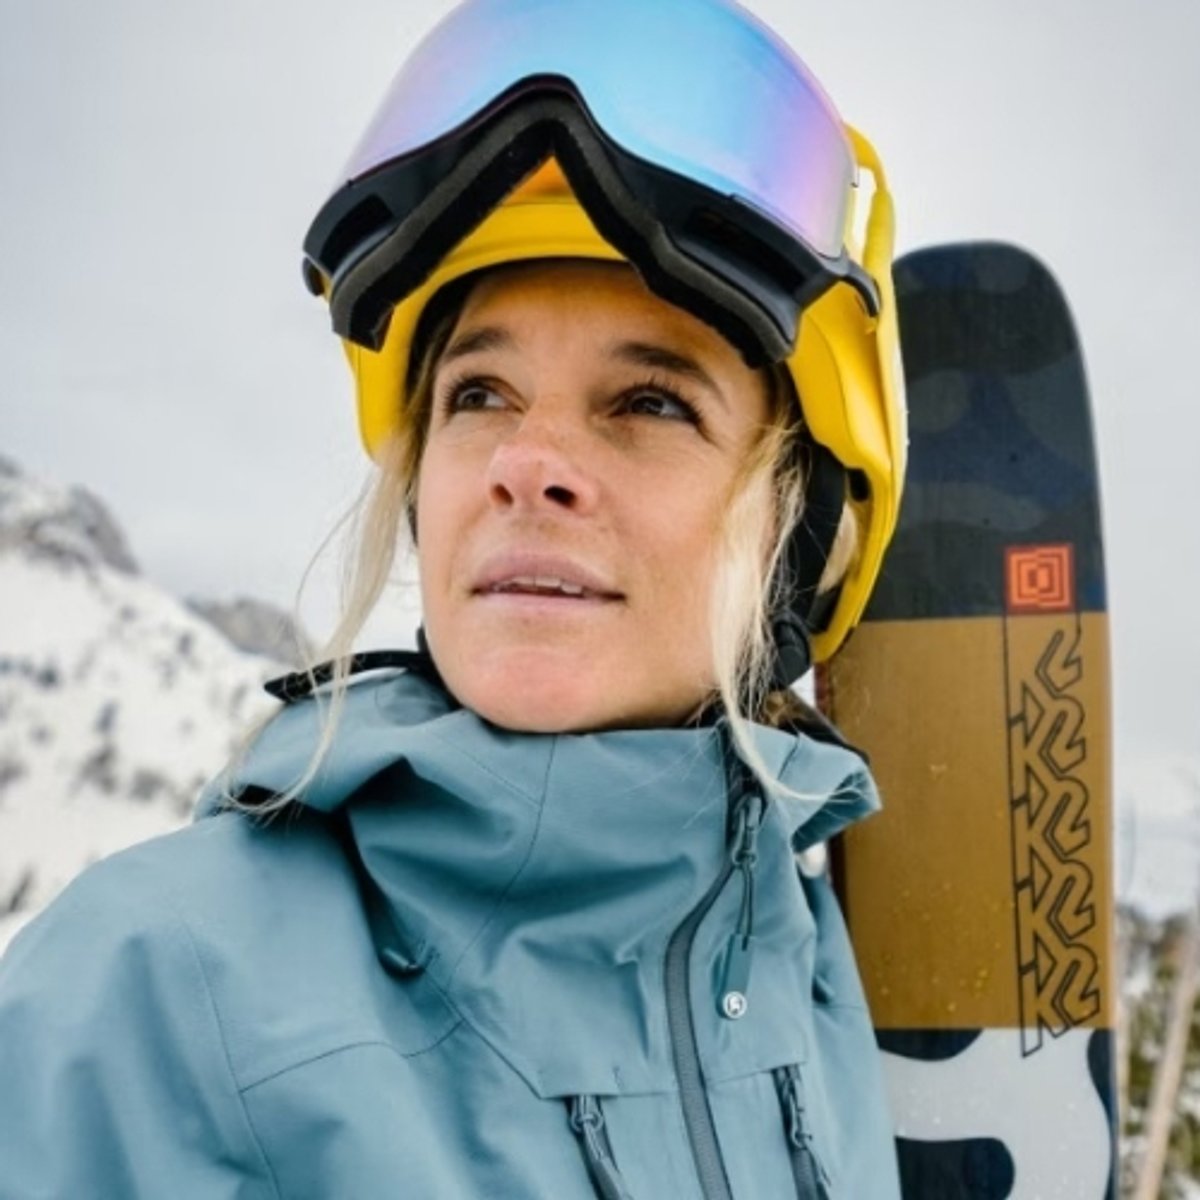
160	162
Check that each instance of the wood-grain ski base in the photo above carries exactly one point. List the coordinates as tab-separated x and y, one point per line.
982	895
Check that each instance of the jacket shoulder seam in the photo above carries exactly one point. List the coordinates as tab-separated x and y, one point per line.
214	1009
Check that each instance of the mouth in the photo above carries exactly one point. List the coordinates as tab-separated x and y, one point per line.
545	585
553	580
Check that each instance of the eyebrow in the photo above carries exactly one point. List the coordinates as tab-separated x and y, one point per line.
644	354
487	337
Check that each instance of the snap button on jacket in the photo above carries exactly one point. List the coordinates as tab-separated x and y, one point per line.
471	964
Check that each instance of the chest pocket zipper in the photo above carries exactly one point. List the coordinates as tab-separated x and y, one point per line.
587	1120
812	1180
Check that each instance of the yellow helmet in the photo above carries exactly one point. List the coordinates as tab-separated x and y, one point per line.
528	129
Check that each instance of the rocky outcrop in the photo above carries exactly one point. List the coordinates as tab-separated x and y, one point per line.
257	628
69	525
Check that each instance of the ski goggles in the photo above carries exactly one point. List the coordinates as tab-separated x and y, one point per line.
702	148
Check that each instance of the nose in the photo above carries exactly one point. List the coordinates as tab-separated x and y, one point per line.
540	465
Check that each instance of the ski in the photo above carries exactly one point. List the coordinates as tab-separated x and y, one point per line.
980	901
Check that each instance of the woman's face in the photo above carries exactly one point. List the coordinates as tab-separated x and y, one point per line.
584	439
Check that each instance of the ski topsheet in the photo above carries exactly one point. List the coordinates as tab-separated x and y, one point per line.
980	900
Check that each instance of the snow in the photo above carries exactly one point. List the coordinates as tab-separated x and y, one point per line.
116	701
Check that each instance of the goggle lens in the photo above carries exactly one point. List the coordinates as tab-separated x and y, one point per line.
697	87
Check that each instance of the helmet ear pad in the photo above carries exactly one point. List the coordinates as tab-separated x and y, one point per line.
797	609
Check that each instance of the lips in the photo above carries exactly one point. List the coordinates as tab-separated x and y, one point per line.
544	576
543	586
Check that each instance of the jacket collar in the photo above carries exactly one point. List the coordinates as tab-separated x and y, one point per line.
535	880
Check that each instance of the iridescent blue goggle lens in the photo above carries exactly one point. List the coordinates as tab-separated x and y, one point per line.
696	87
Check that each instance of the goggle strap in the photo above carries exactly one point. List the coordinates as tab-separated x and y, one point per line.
880	243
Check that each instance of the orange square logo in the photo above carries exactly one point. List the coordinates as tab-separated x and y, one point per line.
1041	579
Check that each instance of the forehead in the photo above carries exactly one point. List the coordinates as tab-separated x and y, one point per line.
591	301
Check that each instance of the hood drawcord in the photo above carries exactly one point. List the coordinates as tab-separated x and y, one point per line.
587	1121
749	810
812	1180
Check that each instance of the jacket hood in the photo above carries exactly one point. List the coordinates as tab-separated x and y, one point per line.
505	869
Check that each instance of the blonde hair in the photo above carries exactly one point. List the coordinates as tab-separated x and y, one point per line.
765	506
763	511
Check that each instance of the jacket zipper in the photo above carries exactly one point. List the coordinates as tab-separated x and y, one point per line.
697	1116
587	1120
732	997
812	1180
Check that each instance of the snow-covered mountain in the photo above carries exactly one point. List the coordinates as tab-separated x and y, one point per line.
256	627
117	701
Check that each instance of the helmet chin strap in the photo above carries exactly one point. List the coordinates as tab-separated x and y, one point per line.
798	610
792	650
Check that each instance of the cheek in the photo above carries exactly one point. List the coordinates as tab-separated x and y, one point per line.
440	498
680	541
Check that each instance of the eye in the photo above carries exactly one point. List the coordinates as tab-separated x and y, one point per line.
654	400
470	395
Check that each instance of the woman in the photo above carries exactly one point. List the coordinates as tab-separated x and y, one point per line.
527	920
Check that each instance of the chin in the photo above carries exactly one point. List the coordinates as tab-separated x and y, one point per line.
524	702
542	692
543	687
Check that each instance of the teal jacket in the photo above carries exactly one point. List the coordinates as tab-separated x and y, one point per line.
471	964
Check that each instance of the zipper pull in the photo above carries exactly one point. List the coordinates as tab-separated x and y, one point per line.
587	1120
812	1180
736	979
732	999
